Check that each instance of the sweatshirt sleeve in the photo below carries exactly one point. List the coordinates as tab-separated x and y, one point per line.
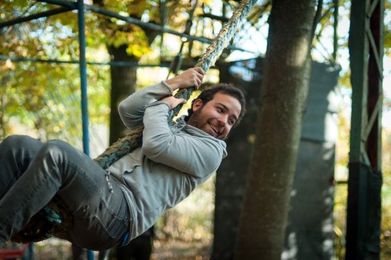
195	155
131	110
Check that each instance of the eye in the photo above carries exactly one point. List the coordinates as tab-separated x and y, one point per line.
231	121
219	109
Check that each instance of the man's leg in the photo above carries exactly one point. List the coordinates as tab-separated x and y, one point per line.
60	169
16	153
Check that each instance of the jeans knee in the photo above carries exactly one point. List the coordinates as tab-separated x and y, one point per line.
50	157
58	150
19	145
17	141
54	147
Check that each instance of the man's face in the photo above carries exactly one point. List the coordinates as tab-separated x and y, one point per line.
217	116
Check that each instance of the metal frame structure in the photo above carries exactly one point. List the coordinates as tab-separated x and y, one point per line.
365	177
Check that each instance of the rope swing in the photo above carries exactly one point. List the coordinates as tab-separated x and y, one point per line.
133	139
53	219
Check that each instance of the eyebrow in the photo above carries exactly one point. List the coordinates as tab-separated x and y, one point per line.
226	108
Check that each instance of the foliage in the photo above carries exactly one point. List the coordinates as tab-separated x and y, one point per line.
387	28
53	109
48	93
386	195
166	13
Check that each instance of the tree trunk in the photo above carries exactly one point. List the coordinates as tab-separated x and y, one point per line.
283	96
232	174
123	82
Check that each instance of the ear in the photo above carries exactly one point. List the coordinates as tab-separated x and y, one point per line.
197	104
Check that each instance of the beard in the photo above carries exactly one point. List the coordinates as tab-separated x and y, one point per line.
208	125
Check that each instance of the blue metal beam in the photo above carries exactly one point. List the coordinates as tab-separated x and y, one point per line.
83	84
83	76
35	16
108	63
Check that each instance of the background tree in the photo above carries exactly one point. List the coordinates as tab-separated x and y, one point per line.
124	43
273	163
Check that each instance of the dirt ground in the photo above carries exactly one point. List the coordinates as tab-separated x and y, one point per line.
56	249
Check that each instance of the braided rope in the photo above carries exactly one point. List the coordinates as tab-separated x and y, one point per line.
133	140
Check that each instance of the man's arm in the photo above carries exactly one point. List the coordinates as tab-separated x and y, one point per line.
195	155
198	154
131	109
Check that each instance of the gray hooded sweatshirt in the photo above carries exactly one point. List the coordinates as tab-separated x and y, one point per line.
173	159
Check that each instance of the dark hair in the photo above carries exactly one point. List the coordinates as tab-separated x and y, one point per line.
209	92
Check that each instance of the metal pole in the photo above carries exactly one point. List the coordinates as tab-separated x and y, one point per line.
35	16
365	177
109	63
83	85
65	3
83	76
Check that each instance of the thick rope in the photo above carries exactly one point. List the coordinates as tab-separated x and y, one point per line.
133	140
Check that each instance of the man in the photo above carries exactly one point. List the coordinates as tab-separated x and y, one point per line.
111	207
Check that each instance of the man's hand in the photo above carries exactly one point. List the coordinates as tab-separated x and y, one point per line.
173	101
188	78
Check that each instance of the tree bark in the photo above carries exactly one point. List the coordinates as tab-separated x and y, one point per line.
283	96
123	83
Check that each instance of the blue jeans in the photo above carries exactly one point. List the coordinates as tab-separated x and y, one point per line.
32	173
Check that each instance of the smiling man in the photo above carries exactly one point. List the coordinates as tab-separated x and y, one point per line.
111	207
218	115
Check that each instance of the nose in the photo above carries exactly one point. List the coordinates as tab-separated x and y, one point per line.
222	120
